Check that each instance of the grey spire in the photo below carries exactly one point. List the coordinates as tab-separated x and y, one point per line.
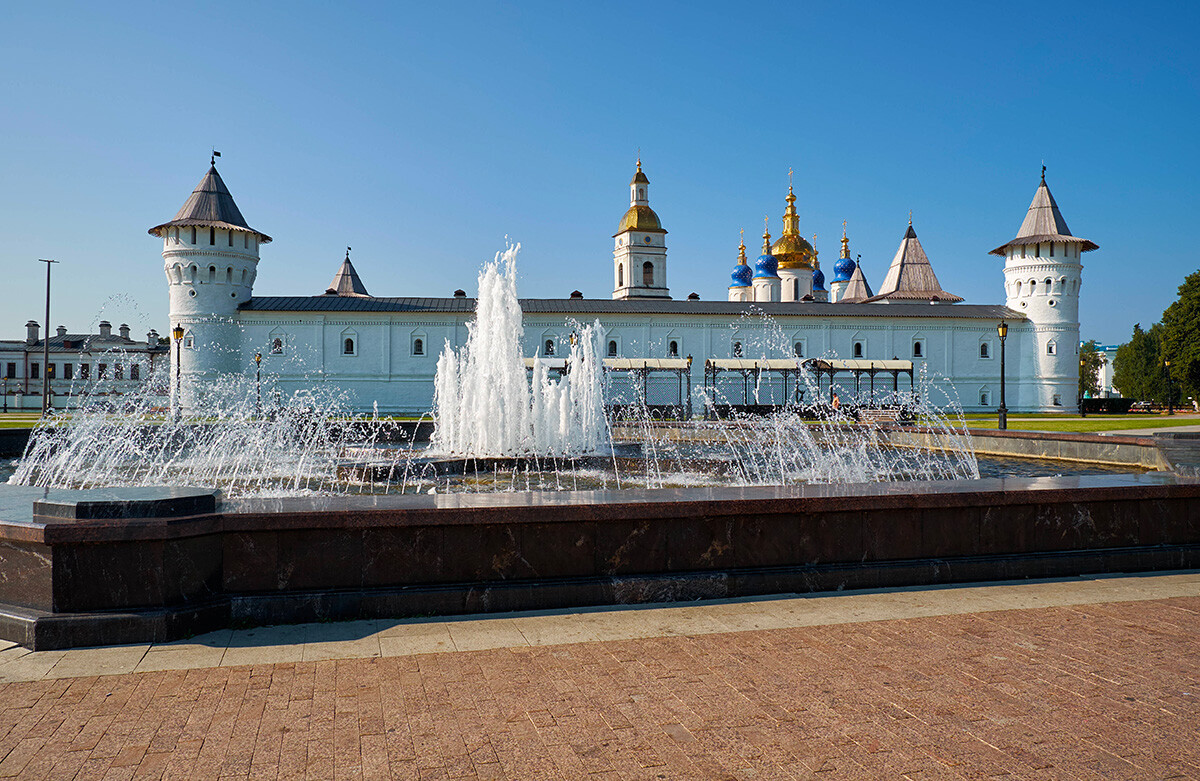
210	205
346	282
911	277
1044	223
857	289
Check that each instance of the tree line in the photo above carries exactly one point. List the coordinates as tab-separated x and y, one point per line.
1164	360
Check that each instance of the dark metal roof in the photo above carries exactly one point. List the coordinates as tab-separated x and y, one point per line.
600	306
210	205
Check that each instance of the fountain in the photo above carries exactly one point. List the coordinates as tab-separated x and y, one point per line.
308	513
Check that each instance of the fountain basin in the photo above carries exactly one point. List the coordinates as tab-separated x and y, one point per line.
87	578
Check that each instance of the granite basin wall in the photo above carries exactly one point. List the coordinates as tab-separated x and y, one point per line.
86	580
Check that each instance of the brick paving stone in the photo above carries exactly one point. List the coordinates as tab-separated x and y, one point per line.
1089	691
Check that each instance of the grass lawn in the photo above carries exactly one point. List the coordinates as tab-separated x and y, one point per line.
1092	423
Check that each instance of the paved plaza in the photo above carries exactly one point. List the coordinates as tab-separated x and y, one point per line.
1082	678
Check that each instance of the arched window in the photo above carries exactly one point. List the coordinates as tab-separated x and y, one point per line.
1032	286
673	349
243	276
277	346
229	275
648	274
985	399
737	349
858	350
985	351
1051	348
641	194
918	349
612	348
348	347
620	275
192	274
212	274
549	347
798	349
418	347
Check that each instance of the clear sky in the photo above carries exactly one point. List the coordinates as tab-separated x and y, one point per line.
423	134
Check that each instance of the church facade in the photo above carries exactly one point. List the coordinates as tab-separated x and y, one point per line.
382	351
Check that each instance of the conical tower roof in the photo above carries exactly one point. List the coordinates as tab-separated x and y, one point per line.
857	290
1044	222
210	205
346	282
911	277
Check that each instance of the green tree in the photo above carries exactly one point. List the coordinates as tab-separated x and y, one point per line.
1138	369
1181	339
1089	369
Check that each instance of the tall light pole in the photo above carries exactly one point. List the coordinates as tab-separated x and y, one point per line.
258	385
1002	330
46	343
5	393
1082	411
1170	400
177	335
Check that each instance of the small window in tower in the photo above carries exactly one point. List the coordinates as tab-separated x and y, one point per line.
277	346
1051	348
858	350
212	274
737	350
798	349
212	235
1057	400
229	275
612	348
230	237
348	347
918	350
135	372
193	234
1022	250
243	276
648	274
673	350
641	194
418	347
985	350
620	275
548	347
245	241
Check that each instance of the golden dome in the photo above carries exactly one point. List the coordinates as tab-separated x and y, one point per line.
639	177
640	218
790	249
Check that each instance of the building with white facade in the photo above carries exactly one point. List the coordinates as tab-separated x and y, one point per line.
382	351
103	362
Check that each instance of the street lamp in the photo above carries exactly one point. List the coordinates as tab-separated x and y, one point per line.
1082	411
46	343
1002	330
258	385
1170	400
177	335
5	394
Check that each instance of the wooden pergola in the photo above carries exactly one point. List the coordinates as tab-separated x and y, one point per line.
640	370
753	368
858	367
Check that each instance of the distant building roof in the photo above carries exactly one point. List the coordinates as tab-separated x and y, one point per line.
857	290
346	282
210	205
603	306
1044	222
911	277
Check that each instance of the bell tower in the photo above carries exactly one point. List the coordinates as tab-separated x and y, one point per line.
640	249
210	256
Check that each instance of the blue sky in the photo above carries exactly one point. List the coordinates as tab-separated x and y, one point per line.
423	134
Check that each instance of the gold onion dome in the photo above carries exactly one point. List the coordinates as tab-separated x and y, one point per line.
640	218
790	249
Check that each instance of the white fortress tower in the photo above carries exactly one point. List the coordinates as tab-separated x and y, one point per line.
640	252
210	256
1042	276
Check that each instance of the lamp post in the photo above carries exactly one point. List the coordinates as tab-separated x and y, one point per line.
177	335
1082	411
1170	399
5	394
46	343
1002	413
258	385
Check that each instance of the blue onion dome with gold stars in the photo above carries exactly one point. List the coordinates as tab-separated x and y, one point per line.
766	267
791	250
741	272
843	269
818	279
